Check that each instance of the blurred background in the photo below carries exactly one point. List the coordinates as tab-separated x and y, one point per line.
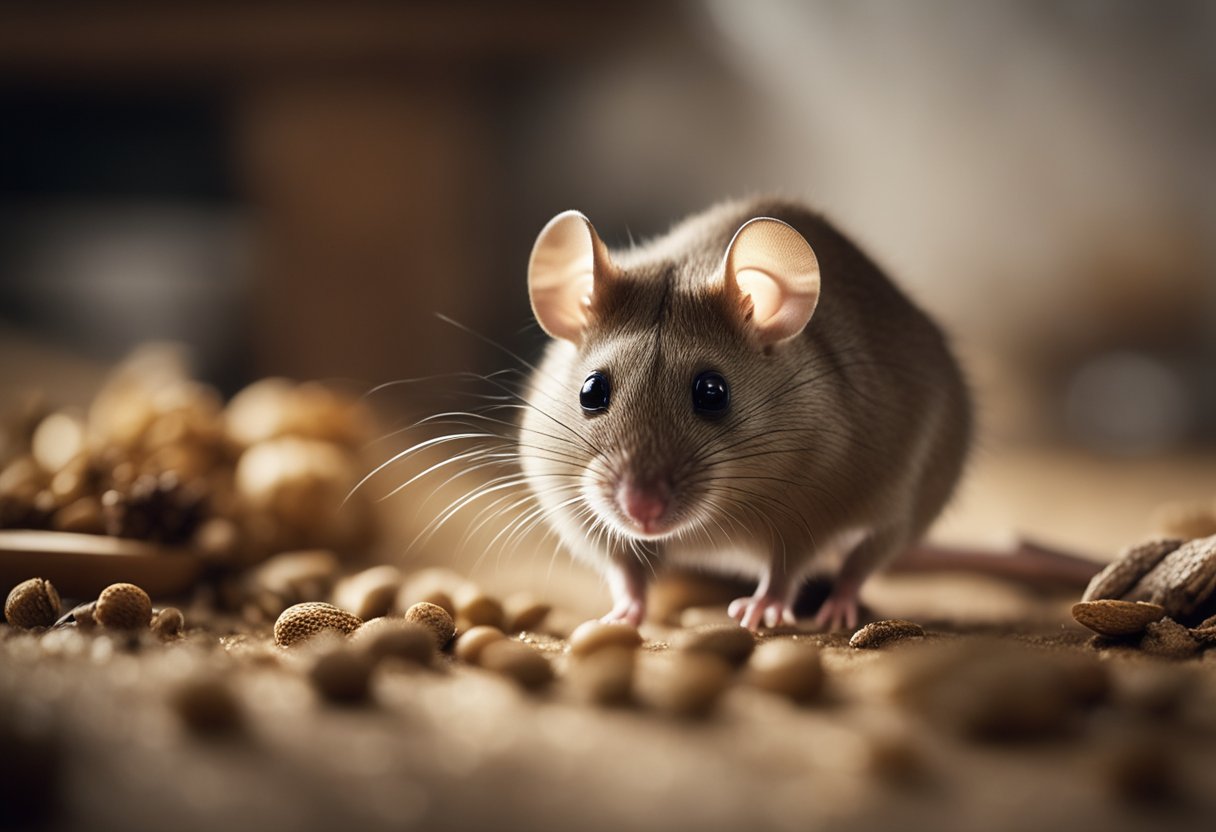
297	188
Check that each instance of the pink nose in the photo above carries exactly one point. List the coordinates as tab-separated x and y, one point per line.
644	503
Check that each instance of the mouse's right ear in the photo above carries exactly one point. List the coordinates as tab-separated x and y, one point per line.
567	262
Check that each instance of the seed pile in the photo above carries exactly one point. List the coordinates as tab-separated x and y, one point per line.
158	456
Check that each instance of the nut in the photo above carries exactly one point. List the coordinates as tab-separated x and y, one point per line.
123	607
786	667
472	642
523	612
434	586
436	619
395	638
1184	581
518	661
730	642
1140	769
303	621
1125	572
168	622
1110	617
881	633
370	593
342	676
32	603
604	677
684	684
478	609
1169	640
207	706
596	635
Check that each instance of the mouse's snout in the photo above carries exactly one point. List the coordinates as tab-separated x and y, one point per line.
644	502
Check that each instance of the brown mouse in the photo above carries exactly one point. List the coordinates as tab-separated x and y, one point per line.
748	393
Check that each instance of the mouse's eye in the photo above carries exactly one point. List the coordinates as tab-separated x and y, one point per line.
595	393
710	394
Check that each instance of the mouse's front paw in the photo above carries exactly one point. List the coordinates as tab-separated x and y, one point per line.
839	611
758	611
630	611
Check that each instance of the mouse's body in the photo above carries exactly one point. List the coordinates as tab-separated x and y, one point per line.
741	394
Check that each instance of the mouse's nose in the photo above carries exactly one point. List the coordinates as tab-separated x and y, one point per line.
644	502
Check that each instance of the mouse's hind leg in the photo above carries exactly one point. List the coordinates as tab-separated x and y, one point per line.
840	609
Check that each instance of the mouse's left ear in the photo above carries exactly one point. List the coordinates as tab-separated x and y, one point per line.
775	273
569	262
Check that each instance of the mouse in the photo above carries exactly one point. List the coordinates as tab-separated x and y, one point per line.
749	394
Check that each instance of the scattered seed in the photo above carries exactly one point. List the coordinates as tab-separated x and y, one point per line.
684	684
1140	770
478	609
303	621
395	638
472	642
596	635
370	593
786	667
436	619
881	633
604	677
730	642
518	661
1110	617
524	612
32	603
123	607
168	623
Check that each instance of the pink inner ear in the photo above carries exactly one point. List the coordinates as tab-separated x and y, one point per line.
764	292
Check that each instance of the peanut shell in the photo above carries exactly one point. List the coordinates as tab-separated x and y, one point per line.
881	633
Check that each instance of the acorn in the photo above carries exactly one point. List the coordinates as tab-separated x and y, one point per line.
32	603
123	607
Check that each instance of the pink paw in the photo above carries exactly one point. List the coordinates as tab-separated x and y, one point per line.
758	611
839	612
631	611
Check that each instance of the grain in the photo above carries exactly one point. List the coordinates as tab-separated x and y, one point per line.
303	621
518	661
593	635
472	642
789	668
881	633
436	619
730	642
1110	617
123	607
32	603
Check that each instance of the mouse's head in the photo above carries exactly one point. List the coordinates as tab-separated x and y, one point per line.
659	393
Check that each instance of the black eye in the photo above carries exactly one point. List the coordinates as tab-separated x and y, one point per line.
710	394
595	393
